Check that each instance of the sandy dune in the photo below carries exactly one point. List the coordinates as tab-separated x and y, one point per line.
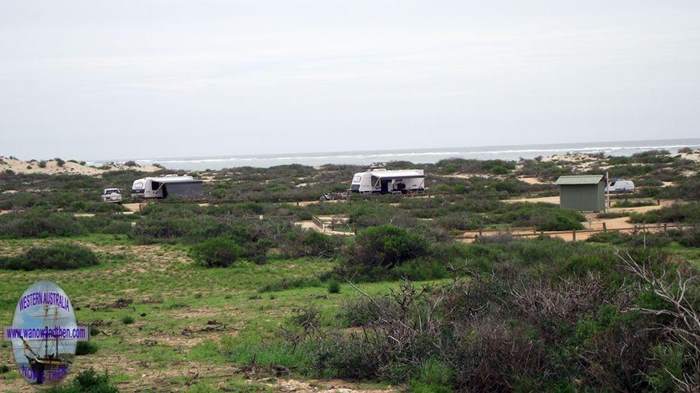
52	167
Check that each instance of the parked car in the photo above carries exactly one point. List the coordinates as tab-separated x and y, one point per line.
112	195
618	185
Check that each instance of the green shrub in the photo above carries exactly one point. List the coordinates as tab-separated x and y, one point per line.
333	286
611	215
177	224
87	381
346	357
607	237
290	283
433	377
543	217
682	212
39	223
57	256
217	252
689	238
634	203
363	311
42	164
308	243
385	246
85	348
127	320
420	269
670	359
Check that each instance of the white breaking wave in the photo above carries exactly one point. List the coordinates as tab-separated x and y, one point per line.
424	156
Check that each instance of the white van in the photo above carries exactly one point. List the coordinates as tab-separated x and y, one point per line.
618	185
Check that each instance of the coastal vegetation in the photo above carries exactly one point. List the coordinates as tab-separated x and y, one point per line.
260	283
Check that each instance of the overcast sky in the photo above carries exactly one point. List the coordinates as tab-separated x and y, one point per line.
155	78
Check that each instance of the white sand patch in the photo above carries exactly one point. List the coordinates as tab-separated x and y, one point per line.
52	167
530	180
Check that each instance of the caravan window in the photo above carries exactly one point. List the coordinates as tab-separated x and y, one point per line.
138	185
357	179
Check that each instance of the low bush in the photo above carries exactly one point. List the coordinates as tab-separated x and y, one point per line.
333	286
541	216
364	311
57	256
385	246
85	348
39	223
545	317
307	243
255	237
634	203
87	381
218	252
687	188
453	165
290	283
632	240
688	238
680	212
127	320
433	377
611	215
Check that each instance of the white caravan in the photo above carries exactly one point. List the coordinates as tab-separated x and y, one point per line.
384	181
162	187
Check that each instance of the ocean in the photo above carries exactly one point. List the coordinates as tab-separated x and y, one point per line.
512	152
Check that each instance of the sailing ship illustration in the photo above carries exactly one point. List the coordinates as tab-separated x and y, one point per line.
49	359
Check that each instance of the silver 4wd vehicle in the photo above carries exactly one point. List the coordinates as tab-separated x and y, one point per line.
112	195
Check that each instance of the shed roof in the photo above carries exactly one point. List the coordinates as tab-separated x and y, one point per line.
578	180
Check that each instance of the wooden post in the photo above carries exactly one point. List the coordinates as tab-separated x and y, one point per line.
574	234
665	228
605	227
480	231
